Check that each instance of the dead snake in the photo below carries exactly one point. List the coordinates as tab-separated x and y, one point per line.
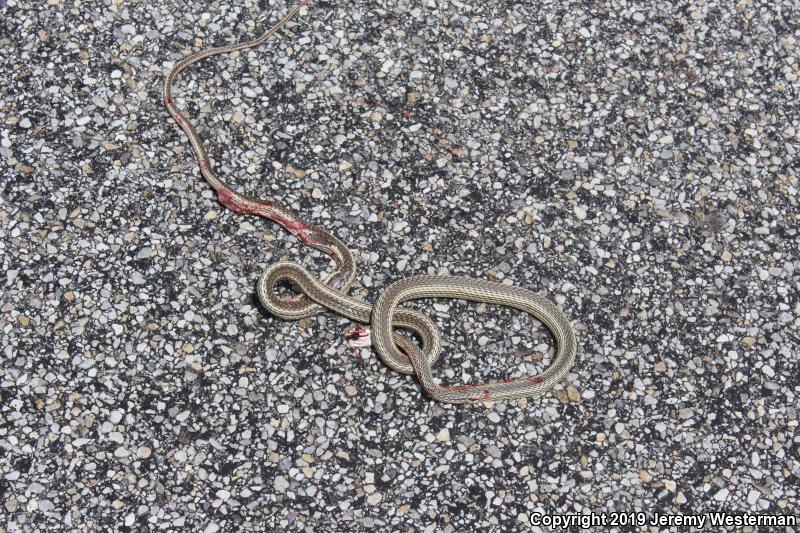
397	351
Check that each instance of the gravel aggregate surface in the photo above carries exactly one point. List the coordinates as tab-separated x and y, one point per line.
636	162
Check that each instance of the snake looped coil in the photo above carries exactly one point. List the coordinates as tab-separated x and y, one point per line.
396	350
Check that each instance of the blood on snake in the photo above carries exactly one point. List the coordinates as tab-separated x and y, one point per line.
386	316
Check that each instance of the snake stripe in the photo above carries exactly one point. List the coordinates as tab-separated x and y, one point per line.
398	351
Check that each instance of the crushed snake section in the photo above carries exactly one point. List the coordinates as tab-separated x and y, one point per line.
396	350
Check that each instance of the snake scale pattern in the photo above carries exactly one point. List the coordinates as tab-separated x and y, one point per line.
398	351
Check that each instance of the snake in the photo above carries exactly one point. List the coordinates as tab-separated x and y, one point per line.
386	318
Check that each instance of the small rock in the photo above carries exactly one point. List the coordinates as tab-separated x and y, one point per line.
573	394
122	451
281	484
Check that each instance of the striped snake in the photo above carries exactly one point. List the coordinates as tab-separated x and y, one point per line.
398	351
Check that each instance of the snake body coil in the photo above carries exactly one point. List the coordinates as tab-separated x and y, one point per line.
397	351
